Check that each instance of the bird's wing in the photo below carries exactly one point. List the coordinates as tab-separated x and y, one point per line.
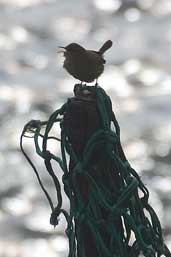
99	56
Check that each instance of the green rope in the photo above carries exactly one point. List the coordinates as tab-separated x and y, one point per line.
126	213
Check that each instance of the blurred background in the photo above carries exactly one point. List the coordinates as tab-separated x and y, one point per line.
33	84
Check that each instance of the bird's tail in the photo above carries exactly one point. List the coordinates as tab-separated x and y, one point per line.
105	46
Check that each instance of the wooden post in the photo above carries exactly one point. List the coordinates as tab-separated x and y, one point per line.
81	120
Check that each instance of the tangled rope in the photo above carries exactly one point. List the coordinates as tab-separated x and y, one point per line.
115	209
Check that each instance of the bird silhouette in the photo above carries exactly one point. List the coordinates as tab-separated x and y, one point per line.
85	65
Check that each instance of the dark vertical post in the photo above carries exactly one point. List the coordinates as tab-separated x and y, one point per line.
81	120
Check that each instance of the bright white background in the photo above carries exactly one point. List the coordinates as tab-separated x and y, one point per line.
33	84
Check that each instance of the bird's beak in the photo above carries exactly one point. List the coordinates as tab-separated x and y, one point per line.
63	49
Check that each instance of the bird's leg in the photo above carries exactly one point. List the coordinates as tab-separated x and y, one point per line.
96	84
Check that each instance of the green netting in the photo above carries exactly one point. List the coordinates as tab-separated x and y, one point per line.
120	219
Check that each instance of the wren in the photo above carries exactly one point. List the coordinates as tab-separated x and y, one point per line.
85	65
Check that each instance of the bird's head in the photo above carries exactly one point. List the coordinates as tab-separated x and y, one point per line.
72	48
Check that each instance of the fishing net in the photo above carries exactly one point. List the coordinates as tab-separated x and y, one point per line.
110	214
